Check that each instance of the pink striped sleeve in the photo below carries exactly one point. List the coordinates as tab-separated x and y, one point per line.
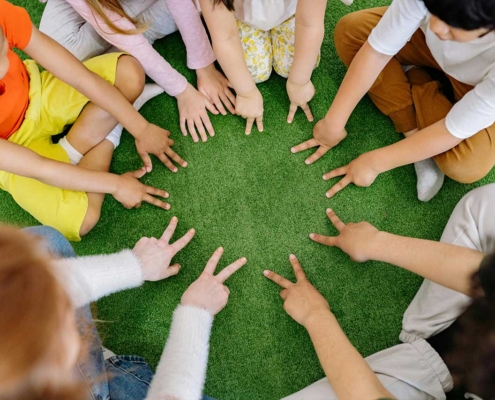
155	66
186	16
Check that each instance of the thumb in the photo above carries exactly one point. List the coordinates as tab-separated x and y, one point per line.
139	173
173	269
146	161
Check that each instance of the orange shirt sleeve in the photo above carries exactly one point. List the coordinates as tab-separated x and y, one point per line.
16	25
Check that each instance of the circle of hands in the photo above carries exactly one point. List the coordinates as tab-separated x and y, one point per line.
209	292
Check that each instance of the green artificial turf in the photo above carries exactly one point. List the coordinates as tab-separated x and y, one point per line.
252	196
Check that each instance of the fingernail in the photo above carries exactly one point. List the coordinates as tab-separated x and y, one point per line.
329	210
328	195
266	272
220	249
324	177
184	164
307	162
312	235
167	207
174	219
247	133
244	259
166	195
192	231
293	150
292	256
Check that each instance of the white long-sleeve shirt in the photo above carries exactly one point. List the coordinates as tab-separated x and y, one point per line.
472	63
182	368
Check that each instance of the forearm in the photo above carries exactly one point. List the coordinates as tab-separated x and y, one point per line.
346	370
309	33
424	144
362	73
182	369
446	264
88	279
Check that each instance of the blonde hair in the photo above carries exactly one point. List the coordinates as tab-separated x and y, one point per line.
101	6
35	310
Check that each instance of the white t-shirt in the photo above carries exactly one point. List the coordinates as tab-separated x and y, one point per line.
472	63
264	14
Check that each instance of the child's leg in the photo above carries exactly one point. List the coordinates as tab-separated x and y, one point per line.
257	46
94	124
63	24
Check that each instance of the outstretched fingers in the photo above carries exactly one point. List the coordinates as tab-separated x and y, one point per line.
320	152
296	265
279	280
325	240
335	220
183	241
212	263
343	183
229	270
308	144
169	231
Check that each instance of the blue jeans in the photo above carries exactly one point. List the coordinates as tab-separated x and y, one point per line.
117	378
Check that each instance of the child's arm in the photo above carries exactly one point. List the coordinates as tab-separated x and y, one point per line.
192	104
63	65
124	188
446	264
346	370
310	29
230	54
424	144
200	57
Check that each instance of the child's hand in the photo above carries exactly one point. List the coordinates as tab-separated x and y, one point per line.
208	291
356	240
362	172
250	107
192	111
324	137
155	255
131	193
215	87
301	299
155	140
300	96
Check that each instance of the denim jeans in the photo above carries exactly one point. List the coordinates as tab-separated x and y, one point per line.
117	378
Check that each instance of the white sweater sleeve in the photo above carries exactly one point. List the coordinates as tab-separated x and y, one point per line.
182	369
87	279
396	27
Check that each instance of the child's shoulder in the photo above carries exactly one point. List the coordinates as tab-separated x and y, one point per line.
15	24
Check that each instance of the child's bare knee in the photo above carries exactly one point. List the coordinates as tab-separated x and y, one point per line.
130	77
90	220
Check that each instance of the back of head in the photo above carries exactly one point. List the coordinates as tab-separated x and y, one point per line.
472	362
33	309
464	14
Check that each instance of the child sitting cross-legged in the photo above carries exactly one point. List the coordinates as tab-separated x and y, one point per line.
400	55
63	185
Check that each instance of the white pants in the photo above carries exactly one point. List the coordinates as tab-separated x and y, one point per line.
63	24
413	370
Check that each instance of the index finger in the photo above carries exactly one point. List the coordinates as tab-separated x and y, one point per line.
344	182
249	125
335	220
298	271
157	192
174	156
336	172
169	231
213	261
156	202
292	112
228	271
183	241
304	146
279	280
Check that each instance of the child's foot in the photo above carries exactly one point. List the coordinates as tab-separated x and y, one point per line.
150	90
430	179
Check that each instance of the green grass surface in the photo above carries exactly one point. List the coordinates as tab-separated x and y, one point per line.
252	196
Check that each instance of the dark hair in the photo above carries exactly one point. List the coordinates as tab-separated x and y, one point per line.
472	360
464	14
227	3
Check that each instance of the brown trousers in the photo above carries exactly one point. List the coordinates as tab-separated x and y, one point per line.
413	99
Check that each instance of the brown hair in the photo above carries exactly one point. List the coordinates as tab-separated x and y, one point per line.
35	309
100	6
229	4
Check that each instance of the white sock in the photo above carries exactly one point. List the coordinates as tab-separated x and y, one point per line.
430	179
150	90
74	156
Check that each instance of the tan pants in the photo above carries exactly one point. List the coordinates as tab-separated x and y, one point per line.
413	99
